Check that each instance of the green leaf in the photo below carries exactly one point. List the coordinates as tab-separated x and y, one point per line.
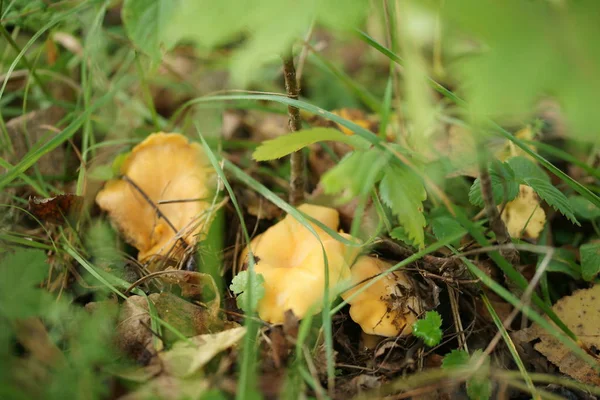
456	358
351	178
524	168
502	178
583	208
590	260
399	234
429	328
146	22
402	190
445	226
101	173
20	272
554	197
479	387
563	261
239	285
289	143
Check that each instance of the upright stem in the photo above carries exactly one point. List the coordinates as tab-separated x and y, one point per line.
496	223
295	124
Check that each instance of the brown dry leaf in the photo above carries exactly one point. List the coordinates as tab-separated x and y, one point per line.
165	167
56	210
524	216
580	313
195	285
133	336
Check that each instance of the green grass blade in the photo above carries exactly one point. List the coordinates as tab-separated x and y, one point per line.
359	91
33	155
247	379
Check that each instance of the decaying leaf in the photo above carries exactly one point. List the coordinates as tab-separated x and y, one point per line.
56	210
133	335
188	357
524	216
580	313
167	173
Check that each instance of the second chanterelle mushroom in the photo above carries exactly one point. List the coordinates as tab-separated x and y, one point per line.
290	259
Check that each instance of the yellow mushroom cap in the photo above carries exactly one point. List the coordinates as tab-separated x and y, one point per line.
290	259
165	166
388	307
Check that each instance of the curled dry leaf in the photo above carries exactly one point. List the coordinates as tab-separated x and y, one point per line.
580	313
524	216
290	259
386	308
165	167
56	210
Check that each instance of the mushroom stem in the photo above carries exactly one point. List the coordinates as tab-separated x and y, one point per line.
292	88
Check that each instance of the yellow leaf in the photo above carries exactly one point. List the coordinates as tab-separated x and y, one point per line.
524	216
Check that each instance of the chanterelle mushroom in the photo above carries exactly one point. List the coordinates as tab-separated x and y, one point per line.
388	307
290	259
165	166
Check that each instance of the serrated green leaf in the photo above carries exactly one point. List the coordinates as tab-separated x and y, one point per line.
351	178
503	179
455	359
583	208
479	387
590	260
289	143
524	168
429	328
403	191
399	234
554	197
146	22
239	285
20	272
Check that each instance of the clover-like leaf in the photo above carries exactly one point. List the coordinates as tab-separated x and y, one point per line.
429	328
239	286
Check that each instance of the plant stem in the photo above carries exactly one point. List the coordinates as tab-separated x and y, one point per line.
295	124
496	223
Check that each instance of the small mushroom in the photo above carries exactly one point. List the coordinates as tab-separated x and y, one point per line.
388	307
165	166
290	259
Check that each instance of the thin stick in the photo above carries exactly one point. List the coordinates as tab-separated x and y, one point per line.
154	206
295	124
